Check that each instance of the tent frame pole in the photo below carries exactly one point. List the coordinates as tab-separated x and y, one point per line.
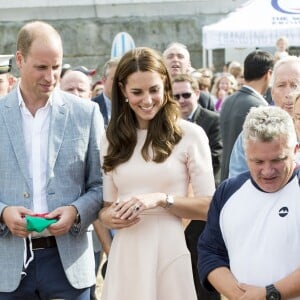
203	57
210	58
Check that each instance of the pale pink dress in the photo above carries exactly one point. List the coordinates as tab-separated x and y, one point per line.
150	260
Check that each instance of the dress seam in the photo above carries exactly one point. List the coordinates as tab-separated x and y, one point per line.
170	263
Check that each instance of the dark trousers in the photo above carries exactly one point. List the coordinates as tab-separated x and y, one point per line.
192	234
46	280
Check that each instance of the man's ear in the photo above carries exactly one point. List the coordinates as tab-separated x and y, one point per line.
11	80
103	79
19	59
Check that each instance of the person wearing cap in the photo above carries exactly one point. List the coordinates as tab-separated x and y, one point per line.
85	70
6	79
50	169
64	69
89	72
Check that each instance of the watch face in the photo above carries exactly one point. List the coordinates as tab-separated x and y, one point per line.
273	296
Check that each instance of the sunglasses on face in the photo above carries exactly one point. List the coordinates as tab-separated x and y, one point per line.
183	95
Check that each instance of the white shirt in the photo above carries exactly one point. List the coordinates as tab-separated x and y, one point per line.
36	132
262	233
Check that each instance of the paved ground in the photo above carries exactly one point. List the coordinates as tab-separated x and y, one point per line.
99	281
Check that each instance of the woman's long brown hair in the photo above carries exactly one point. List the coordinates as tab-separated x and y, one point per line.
163	131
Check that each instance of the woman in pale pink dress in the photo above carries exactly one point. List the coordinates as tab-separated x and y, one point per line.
150	156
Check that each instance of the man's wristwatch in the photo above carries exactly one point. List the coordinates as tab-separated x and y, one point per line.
272	293
77	219
169	201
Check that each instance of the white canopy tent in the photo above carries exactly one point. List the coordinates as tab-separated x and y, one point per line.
256	23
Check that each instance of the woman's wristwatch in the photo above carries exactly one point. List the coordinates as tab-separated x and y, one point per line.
169	201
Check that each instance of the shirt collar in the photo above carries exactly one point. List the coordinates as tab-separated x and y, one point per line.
190	117
22	103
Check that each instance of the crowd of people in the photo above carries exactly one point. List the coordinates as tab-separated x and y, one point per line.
185	180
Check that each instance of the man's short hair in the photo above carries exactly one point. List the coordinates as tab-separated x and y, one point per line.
288	60
187	78
30	32
257	64
177	45
113	62
267	123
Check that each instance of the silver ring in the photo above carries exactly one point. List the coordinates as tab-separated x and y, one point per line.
136	207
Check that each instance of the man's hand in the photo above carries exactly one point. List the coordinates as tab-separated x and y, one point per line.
66	216
252	292
14	218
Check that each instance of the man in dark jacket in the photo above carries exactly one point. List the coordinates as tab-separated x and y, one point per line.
104	99
258	67
186	91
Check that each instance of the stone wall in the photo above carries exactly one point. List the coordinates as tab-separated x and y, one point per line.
87	38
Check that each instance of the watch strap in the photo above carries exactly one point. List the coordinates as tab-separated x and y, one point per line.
272	293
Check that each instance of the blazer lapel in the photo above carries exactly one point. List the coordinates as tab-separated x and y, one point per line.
59	116
103	109
197	113
13	120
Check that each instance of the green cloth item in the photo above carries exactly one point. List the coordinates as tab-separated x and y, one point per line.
38	224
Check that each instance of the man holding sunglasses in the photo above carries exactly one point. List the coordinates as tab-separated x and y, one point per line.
6	80
186	92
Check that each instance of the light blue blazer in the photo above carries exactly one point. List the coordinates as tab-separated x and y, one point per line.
73	177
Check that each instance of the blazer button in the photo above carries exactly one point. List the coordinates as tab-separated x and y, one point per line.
26	195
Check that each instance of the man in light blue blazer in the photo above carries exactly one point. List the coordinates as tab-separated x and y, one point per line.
50	165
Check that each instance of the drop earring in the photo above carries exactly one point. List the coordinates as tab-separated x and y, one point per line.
126	99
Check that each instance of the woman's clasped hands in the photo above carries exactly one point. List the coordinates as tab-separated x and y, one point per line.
121	214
